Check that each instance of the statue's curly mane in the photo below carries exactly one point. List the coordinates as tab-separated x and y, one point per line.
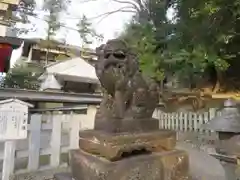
115	63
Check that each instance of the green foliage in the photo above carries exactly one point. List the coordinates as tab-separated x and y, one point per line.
185	63
86	32
21	15
201	34
54	9
23	76
141	38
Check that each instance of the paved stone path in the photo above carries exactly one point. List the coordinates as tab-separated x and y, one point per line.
202	165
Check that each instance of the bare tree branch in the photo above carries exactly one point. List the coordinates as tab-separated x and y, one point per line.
132	6
140	3
128	2
123	9
106	15
135	3
87	1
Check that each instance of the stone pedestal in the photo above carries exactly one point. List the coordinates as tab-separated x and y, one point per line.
113	146
169	165
125	156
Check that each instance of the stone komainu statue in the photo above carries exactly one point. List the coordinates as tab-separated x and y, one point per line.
127	95
124	126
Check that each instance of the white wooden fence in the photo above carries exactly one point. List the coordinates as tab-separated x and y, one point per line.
49	137
185	121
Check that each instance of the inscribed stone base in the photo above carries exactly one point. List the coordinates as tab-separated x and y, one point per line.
126	125
171	165
111	146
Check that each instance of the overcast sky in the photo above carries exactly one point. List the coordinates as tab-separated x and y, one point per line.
109	27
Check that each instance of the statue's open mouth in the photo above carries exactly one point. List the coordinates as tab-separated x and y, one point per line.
114	64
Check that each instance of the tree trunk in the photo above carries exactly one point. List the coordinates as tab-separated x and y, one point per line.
219	79
46	58
48	41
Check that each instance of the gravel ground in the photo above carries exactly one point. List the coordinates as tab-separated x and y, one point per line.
41	175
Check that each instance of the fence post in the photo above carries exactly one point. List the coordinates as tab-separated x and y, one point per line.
158	115
185	122
91	111
8	160
212	113
177	127
34	142
163	120
205	120
169	121
195	122
181	122
201	122
190	121
172	123
56	139
74	131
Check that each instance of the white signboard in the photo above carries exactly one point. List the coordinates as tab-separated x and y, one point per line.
13	119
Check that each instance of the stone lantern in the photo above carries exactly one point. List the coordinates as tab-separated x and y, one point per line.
227	126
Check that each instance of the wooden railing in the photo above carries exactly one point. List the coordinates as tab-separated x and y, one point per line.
50	137
188	127
184	121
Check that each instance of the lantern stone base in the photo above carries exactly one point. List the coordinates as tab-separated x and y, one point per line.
169	165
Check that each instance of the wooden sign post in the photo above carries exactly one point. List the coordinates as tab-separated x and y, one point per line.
13	126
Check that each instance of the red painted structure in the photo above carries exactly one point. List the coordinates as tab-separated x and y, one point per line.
5	56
